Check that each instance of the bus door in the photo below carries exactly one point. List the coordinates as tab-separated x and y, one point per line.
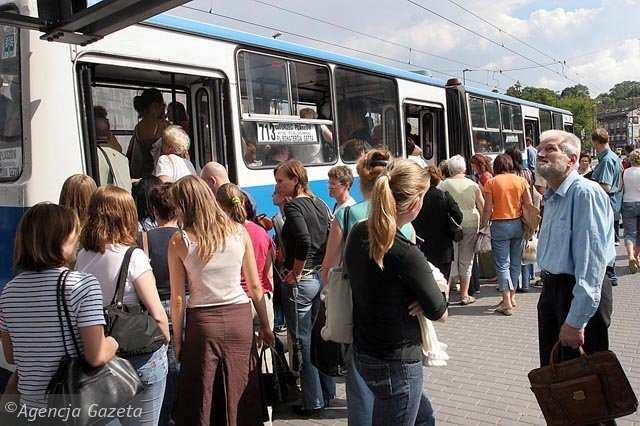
532	130
424	128
108	87
209	121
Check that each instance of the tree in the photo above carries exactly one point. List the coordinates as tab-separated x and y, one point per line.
624	90
579	90
515	90
583	109
540	95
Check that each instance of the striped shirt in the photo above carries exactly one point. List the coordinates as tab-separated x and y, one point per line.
28	312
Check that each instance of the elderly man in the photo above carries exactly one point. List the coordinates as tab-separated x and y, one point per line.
575	246
215	175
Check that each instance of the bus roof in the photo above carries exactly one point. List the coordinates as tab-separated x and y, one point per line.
241	37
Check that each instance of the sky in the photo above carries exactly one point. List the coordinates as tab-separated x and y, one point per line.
543	43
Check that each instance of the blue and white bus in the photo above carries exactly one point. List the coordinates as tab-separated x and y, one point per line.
250	100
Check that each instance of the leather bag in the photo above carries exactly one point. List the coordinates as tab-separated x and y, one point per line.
79	386
325	355
530	220
483	243
131	325
530	251
588	389
337	298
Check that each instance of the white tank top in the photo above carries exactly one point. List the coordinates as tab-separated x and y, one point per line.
631	178
216	282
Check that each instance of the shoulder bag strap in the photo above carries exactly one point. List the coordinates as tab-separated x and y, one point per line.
122	278
345	225
145	242
62	281
59	304
112	174
345	232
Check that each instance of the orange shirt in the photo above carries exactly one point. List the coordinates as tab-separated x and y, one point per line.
506	193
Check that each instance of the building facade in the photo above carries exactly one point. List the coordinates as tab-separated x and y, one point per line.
623	125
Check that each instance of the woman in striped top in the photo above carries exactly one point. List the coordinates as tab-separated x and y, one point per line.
29	327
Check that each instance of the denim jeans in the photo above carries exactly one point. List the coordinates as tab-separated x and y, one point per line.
527	275
359	397
506	246
399	399
317	388
152	370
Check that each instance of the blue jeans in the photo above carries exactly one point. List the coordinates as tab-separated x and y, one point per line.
152	370
399	399
359	397
631	220
506	246
527	275
317	388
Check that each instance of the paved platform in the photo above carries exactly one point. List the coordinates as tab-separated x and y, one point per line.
486	379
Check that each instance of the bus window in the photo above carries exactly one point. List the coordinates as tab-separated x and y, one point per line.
493	116
512	132
476	106
367	113
557	121
516	117
485	120
10	109
545	120
286	111
264	87
203	125
506	116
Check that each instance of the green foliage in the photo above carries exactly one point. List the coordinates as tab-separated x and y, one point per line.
575	91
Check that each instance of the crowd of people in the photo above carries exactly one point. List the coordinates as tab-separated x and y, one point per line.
191	251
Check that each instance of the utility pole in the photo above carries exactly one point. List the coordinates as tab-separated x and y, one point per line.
464	76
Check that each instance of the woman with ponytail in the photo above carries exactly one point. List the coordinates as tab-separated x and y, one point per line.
369	167
388	273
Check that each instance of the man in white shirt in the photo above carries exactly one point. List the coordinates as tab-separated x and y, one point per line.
340	180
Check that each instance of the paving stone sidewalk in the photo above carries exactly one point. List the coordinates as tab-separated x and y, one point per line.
486	381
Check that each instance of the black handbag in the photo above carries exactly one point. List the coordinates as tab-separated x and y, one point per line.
131	325
85	390
327	356
273	384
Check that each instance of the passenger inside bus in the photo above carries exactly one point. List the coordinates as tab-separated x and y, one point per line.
311	153
177	114
174	163
113	166
103	128
144	148
276	154
10	113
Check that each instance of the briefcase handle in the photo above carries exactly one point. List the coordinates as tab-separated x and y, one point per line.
556	349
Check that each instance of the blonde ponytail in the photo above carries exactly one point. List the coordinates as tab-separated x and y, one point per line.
382	219
394	191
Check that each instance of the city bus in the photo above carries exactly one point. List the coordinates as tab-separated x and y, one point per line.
251	101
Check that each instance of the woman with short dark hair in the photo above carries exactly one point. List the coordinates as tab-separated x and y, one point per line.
45	244
505	195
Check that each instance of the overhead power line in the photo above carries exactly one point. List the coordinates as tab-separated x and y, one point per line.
492	41
329	43
343	27
555	60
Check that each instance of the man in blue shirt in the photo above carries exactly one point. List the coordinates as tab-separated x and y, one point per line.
575	246
608	173
531	155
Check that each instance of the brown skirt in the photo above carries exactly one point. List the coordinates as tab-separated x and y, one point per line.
215	363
